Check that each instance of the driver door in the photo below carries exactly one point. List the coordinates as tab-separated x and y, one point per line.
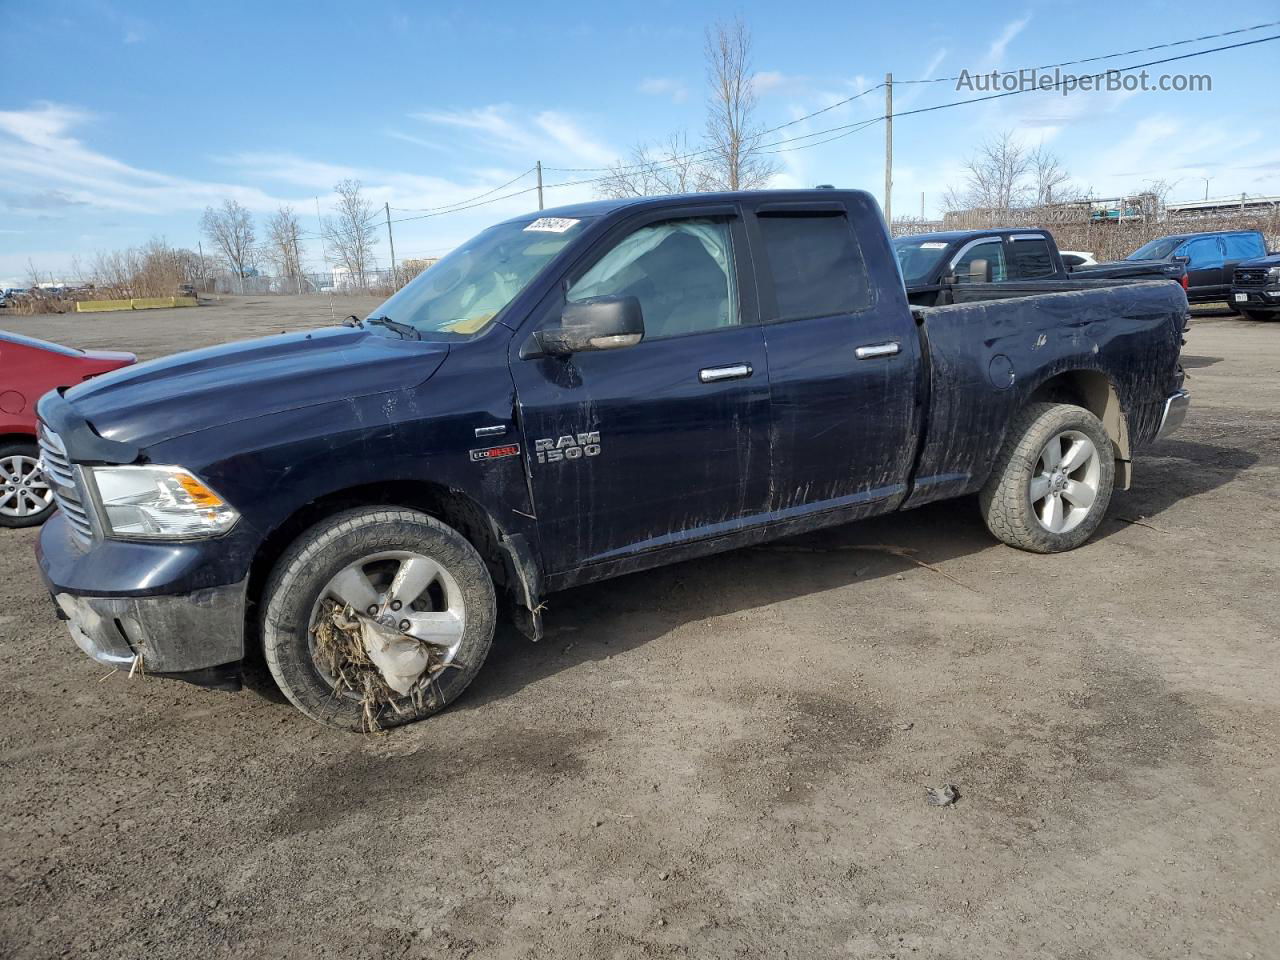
648	446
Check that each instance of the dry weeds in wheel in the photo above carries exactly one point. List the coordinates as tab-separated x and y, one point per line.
340	651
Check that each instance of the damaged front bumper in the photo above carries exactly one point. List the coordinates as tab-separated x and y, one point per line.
196	637
159	620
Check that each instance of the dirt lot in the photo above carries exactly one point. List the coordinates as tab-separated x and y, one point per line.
723	758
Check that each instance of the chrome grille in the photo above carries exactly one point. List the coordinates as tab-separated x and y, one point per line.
62	481
1251	277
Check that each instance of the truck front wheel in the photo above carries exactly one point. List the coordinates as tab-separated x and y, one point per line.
376	617
1052	482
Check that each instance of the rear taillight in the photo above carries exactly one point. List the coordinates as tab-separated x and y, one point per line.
1186	283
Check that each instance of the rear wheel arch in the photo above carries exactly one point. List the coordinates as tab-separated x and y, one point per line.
1095	392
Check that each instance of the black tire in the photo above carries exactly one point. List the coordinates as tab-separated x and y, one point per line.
1006	500
28	451
1261	314
305	569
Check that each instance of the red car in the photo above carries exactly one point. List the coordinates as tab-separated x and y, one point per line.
29	369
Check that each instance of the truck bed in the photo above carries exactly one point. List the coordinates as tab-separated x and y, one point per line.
988	357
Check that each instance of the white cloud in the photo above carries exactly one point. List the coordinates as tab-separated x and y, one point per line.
665	87
39	156
549	135
995	53
768	80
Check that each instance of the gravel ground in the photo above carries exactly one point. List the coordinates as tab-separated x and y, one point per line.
723	758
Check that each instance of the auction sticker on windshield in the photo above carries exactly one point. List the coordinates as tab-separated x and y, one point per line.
933	246
552	224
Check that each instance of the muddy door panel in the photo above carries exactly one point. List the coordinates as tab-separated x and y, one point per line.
646	446
844	362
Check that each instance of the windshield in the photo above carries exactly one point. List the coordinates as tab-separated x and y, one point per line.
918	256
1155	250
460	295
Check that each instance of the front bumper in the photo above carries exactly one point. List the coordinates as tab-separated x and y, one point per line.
172	635
124	601
1255	298
1175	411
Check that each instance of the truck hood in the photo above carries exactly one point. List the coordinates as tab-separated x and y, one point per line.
189	392
1270	260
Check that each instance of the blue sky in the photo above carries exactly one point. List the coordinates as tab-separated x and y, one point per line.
122	121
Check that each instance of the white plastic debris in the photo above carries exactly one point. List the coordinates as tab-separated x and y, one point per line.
400	659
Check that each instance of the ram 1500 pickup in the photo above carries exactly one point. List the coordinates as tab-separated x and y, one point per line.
572	395
961	265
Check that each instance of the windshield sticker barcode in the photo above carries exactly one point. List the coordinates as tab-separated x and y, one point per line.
552	224
933	246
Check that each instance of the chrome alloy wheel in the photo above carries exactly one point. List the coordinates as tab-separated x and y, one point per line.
1065	482
403	591
24	491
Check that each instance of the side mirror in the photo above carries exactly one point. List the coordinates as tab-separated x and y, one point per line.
1181	259
598	323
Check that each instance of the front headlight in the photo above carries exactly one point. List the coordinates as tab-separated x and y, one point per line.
165	503
1274	274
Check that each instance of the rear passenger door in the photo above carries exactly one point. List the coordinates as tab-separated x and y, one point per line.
844	356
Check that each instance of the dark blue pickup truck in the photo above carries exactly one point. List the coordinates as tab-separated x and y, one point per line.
569	396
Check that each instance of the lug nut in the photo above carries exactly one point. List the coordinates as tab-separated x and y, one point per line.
404	624
373	610
395	604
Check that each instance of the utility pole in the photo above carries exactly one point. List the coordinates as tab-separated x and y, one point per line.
203	269
297	265
539	166
391	241
888	151
325	257
922	205
1206	187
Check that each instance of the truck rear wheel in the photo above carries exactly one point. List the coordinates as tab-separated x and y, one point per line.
384	576
1052	482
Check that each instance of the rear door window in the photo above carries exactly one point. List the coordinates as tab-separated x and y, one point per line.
1031	257
1244	246
816	264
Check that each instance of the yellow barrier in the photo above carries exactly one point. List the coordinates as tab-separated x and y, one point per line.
95	306
138	303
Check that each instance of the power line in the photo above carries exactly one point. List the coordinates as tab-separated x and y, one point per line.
839	103
1075	80
478	196
838	132
1124	53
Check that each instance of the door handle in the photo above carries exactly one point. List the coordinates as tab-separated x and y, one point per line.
736	371
878	350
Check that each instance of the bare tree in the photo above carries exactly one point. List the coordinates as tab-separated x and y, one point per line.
230	229
731	158
1051	180
655	170
351	233
733	135
994	177
283	233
